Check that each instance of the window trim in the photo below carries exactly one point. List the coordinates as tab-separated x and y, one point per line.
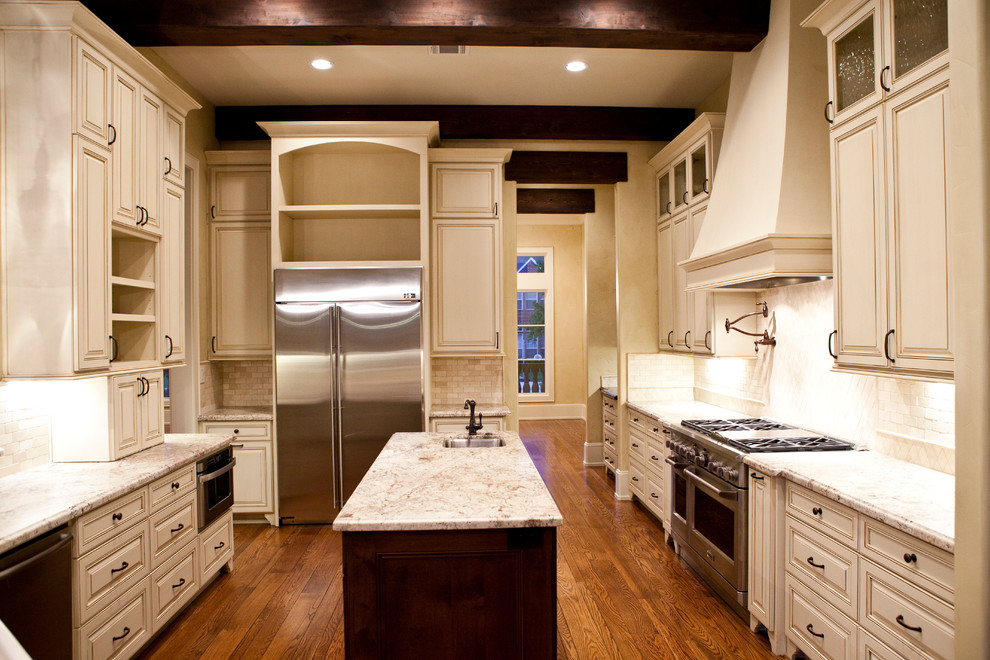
540	282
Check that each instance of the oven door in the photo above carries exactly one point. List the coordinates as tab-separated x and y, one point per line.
216	491
678	499
716	524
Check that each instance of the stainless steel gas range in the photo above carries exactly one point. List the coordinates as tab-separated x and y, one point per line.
709	513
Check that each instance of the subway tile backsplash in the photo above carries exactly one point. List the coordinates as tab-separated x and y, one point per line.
24	427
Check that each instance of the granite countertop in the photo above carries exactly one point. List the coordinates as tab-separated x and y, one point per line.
247	414
908	497
417	484
38	500
672	412
457	410
610	392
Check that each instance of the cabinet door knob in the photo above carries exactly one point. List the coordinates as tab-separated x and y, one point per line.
910	558
817	511
175	485
117	517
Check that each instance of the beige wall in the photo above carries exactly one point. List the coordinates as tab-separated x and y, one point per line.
569	343
599	256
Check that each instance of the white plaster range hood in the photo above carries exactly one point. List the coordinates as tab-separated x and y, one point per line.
768	221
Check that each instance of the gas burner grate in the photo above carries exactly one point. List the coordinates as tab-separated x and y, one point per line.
809	443
712	426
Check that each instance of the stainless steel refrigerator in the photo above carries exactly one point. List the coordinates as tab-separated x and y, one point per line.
348	374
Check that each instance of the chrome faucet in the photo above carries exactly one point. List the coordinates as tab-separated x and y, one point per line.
472	427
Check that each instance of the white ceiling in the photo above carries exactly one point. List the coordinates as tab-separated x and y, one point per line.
487	75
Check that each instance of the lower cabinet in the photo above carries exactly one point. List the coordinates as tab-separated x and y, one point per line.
459	424
647	469
254	472
138	561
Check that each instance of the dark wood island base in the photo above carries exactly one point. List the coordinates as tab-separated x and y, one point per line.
451	594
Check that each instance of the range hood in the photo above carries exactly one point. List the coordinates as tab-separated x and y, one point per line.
768	221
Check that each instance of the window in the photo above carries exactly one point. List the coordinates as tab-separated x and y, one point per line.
534	322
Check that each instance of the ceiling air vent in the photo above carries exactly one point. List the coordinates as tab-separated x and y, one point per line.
448	50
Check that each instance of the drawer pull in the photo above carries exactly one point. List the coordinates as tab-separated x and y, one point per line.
667	431
217	547
127	631
182	581
756	476
175	485
900	620
654	496
123	567
635	478
817	511
811	560
237	445
654	458
910	558
117	516
812	631
178	529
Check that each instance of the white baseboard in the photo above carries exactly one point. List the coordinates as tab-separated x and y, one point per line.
594	454
622	491
552	411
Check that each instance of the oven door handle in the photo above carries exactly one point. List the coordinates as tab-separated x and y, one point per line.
210	476
710	487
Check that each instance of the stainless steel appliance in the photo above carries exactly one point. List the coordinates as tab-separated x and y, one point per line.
36	595
709	513
215	483
348	374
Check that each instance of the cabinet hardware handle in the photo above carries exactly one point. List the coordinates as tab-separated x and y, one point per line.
497	344
182	581
496	209
635	444
168	161
686	339
213	343
654	496
910	558
237	430
684	197
140	379
669	334
886	88
636	419
177	529
817	511
112	140
635	478
830	120
704	187
175	485
900	620
831	351
213	212
127	631
656	430
140	213
113	348
238	446
668	206
117	516
170	347
667	431
756	476
811	560
708	344
812	631
886	345
123	567
654	458
217	547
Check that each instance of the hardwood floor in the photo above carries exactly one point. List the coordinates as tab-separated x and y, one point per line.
622	592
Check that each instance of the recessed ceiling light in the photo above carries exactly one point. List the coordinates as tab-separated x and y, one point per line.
576	66
322	64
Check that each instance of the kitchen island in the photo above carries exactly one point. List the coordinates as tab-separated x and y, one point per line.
450	553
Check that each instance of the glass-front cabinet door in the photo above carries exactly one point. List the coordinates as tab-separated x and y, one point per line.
701	183
664	202
917	40
854	60
680	184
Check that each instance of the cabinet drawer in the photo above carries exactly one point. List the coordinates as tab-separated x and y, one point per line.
216	545
610	422
174	584
609	404
654	492
637	478
107	571
903	616
638	444
610	441
817	628
251	430
172	487
822	514
654	461
97	526
870	648
925	565
644	423
611	460
826	566
171	528
120	630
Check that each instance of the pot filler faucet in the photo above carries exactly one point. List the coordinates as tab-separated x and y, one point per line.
472	427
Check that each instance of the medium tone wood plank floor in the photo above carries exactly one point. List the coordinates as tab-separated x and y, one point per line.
622	593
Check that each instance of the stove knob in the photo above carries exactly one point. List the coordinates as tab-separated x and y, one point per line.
701	458
731	474
717	467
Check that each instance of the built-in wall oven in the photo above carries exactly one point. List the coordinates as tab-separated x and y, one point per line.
215	481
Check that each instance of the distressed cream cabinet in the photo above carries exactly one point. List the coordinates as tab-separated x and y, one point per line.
648	472
254	473
765	553
459	424
467	251
240	254
893	293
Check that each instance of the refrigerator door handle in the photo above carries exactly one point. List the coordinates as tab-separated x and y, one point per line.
338	492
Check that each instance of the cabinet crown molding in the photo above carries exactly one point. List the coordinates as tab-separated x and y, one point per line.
456	155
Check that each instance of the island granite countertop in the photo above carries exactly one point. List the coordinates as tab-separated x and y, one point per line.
418	484
38	500
245	413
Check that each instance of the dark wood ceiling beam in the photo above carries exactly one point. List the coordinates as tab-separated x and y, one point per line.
581	167
475	122
555	201
726	25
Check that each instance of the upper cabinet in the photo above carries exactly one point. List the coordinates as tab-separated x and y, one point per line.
686	166
878	48
466	191
338	188
93	128
890	221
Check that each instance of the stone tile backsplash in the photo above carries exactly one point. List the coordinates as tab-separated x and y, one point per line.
236	384
455	379
25	434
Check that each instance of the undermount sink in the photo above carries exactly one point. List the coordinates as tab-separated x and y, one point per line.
469	441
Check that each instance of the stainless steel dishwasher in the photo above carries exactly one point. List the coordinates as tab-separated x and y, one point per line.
36	594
